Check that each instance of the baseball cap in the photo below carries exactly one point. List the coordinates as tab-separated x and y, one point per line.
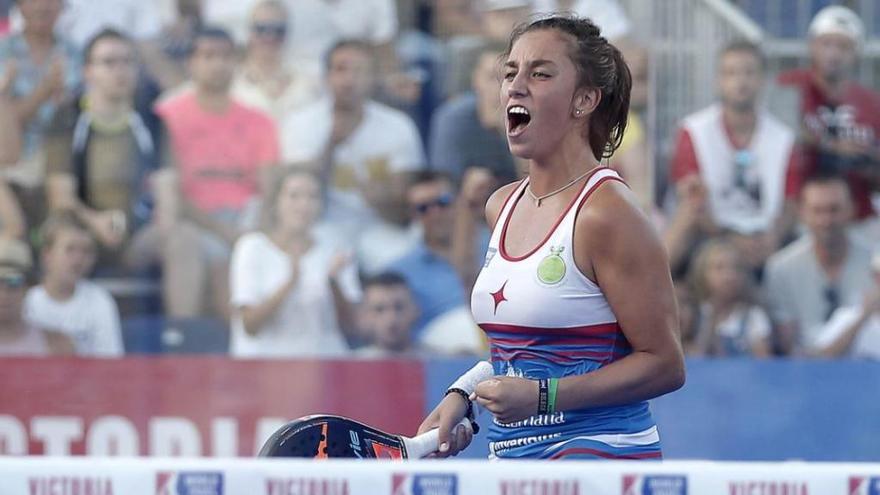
15	258
836	19
490	5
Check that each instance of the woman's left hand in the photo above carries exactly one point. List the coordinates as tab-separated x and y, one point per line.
508	398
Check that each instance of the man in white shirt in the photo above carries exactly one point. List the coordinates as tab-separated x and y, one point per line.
855	330
363	148
824	270
66	301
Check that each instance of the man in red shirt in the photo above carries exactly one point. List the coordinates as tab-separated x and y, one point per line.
221	151
840	119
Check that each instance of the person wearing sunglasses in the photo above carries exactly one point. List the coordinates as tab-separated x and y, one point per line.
18	337
437	268
266	80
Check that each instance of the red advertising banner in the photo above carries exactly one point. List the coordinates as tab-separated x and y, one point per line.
193	406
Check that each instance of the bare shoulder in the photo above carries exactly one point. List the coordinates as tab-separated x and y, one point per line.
496	202
610	224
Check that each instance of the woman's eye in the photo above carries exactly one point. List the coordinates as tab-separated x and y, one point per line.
541	75
509	75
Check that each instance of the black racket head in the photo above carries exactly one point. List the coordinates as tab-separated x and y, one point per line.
330	436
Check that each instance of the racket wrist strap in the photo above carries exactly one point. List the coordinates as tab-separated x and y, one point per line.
469	413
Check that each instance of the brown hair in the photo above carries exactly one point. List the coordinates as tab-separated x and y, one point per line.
269	215
600	65
58	222
697	277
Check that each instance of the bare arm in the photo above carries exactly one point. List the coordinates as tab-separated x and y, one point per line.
345	311
254	317
629	263
10	132
11	214
51	86
476	185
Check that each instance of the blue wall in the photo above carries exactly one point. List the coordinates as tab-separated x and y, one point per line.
750	410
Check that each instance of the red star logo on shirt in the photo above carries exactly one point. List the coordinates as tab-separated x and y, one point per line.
498	296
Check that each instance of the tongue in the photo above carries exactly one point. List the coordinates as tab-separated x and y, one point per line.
519	121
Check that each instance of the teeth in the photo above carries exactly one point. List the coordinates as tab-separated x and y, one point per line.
519	110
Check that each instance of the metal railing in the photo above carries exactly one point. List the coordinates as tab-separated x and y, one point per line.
684	36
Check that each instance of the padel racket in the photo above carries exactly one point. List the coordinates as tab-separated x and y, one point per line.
327	436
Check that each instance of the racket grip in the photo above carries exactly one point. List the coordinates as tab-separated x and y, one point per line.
427	443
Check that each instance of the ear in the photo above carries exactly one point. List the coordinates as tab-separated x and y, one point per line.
585	102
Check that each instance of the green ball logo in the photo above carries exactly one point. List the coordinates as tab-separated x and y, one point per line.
551	269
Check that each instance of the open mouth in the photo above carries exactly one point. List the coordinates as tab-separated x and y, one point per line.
518	119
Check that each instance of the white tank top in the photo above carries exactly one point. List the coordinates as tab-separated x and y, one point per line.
543	293
544	318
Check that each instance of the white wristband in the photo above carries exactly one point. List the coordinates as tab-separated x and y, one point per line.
468	381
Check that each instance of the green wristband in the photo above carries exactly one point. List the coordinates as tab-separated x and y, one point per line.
552	386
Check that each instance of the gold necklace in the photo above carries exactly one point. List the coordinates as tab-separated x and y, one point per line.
538	199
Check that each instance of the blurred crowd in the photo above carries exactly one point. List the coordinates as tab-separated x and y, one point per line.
278	178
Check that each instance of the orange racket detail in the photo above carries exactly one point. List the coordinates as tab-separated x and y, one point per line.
386	452
322	446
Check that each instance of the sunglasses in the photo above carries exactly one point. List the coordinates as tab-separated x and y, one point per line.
441	202
12	281
270	29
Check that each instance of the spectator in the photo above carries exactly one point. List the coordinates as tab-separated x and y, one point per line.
743	156
435	270
729	322
12	220
634	159
364	148
690	226
496	20
101	151
66	300
47	70
824	270
10	132
83	19
840	119
499	17
165	57
468	131
18	337
222	150
317	25
607	14
855	330
5	7
292	289
387	315
265	81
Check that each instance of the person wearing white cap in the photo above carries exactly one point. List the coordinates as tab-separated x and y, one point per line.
840	118
855	330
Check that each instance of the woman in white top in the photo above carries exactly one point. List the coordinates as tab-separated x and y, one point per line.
729	323
292	286
266	81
